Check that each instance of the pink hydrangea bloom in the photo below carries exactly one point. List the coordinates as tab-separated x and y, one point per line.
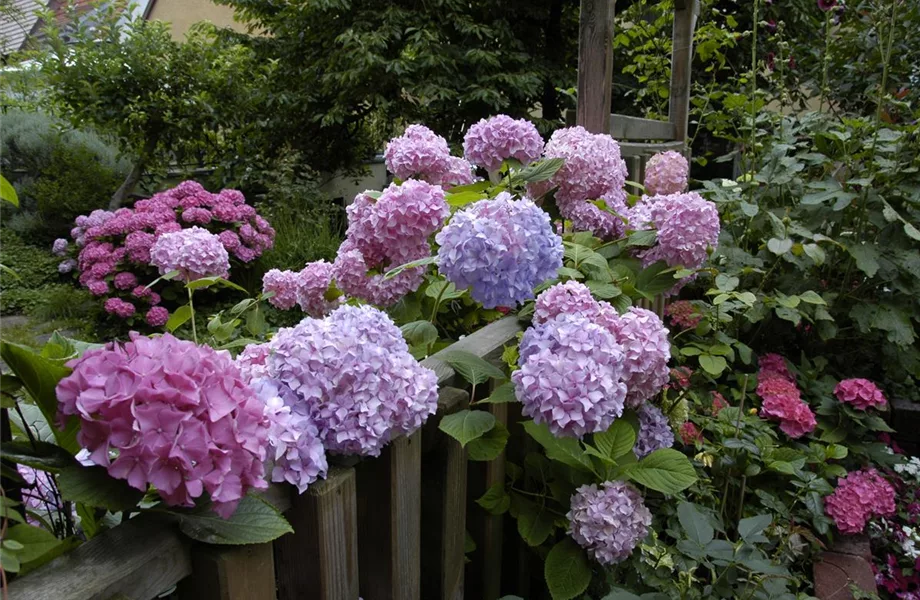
690	433
194	252
647	350
284	286
608	522
666	173
125	280
593	167
350	272
97	287
120	308
859	496
229	239
684	314
687	226
313	283
570	376
196	215
353	372
774	364
459	172
860	394
202	432
419	153
491	141
157	316
586	216
782	400
718	403
571	297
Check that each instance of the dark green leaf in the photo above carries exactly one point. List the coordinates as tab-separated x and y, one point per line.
95	487
35	541
866	257
565	450
420	333
490	445
540	171
467	425
495	501
43	455
665	470
695	523
473	368
619	439
567	570
534	521
752	526
428	260
255	521
502	394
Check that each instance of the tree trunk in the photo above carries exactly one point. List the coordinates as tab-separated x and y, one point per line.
137	171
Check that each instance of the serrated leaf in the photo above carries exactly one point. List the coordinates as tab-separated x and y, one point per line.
566	570
496	500
866	257
255	521
471	367
812	298
665	470
444	290
95	487
644	238
42	455
420	333
540	171
502	394
490	445
751	526
604	291
695	524
570	273
565	450
35	541
467	425
619	439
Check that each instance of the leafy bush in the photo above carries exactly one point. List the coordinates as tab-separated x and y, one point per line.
35	272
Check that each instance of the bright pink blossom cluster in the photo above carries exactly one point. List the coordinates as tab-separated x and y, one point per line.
307	288
420	153
491	141
115	247
171	414
666	173
387	232
859	496
861	394
782	400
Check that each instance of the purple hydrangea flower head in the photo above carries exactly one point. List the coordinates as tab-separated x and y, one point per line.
501	249
644	339
284	285
198	215
569	298
119	308
666	173
459	172
194	252
298	453
570	376
350	272
608	522
40	495
353	372
654	430
229	239
125	280
203	432
59	247
157	316
313	283
687	226
593	167
491	141
67	266
419	153
587	216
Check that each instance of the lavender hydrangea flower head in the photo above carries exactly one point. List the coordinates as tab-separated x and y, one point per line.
313	283
666	173
67	266
570	376
593	167
687	225
459	172
644	339
350	272
59	247
299	457
194	252
608	522
586	216
500	249
419	153
654	430
353	372
491	141
283	284
571	297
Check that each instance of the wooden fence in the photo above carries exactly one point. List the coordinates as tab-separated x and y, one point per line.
388	528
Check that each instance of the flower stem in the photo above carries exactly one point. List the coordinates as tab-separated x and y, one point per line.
827	58
191	309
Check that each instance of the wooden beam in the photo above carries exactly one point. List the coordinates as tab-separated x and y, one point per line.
634	128
628	149
595	64
681	61
230	573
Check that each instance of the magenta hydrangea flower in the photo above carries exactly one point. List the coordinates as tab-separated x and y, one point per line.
203	431
647	350
608	522
690	434
684	314
501	249
782	400
306	288
687	226
593	167
125	280
666	173
418	153
861	394
119	308
570	376
491	141
59	247
196	215
157	316
774	365
571	297
194	252
858	497
353	372
299	457
654	430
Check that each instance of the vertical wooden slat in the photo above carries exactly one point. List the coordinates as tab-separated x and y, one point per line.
634	170
681	60
389	521
595	65
230	573
443	505
319	561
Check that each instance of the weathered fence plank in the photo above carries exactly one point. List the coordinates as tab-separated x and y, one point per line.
681	61
623	127
595	64
319	561
230	573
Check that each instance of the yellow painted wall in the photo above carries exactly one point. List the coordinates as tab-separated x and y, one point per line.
182	14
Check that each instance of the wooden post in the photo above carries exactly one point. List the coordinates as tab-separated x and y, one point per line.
389	521
444	505
230	573
685	15
595	65
319	561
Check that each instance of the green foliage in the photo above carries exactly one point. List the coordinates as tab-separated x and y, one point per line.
255	521
35	272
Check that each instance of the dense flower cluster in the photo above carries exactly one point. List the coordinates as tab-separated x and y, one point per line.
570	376
306	288
666	173
608	522
647	350
299	457
593	170
859	496
860	394
684	314
194	252
690	434
782	400
501	249
353	375
420	153
654	430
687	226
115	247
168	413
387	232
569	298
491	141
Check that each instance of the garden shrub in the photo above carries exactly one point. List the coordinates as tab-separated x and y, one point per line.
35	270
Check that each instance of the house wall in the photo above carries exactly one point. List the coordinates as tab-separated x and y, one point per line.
182	14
